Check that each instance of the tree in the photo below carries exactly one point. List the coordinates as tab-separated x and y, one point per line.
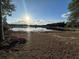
74	9
0	24
6	8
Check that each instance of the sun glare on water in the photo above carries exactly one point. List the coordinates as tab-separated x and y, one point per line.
28	21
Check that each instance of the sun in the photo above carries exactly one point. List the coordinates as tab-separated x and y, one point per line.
28	20
27	17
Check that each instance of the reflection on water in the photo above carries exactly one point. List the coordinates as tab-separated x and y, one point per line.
31	29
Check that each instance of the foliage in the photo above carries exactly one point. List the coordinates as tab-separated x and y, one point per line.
74	9
7	7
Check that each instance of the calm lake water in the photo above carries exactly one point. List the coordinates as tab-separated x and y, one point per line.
31	29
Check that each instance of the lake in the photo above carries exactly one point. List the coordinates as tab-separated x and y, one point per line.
31	29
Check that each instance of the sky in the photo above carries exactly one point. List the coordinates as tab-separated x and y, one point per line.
39	11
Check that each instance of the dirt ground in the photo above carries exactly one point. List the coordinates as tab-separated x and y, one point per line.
46	45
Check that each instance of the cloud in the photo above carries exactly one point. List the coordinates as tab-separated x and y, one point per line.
65	15
42	21
34	21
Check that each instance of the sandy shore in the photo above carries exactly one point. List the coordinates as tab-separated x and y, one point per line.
46	45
